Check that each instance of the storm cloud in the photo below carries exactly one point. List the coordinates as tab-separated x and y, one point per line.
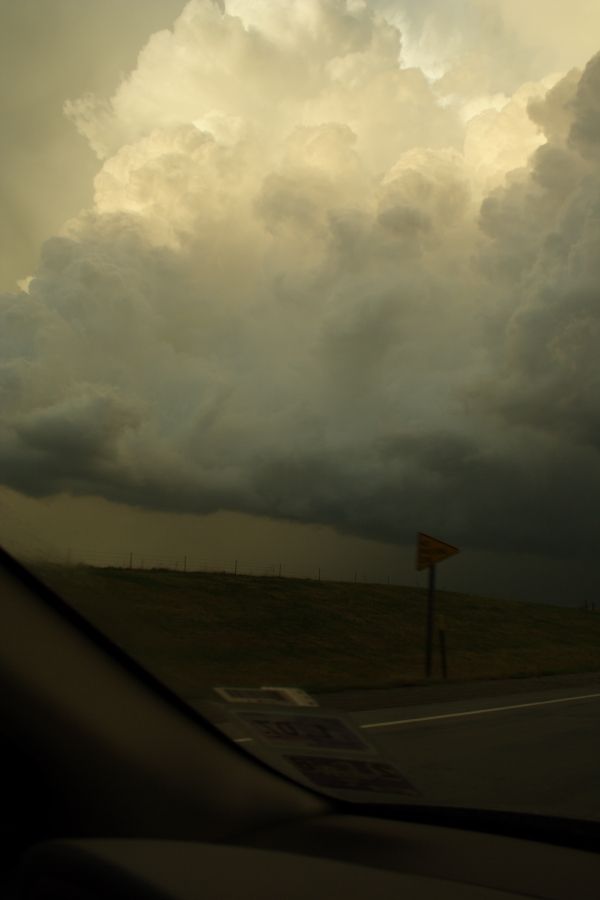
322	285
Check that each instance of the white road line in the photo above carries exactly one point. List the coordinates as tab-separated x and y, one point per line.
479	712
241	740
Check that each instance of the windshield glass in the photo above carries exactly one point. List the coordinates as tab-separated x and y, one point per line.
299	376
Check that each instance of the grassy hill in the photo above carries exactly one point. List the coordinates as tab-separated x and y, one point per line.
196	630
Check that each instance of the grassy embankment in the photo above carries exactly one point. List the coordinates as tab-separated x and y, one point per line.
196	630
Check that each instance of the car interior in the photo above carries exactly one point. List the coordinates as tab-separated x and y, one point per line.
114	787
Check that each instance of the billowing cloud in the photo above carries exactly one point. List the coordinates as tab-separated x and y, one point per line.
318	284
49	51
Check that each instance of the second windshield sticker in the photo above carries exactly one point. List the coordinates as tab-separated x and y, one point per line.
370	776
313	732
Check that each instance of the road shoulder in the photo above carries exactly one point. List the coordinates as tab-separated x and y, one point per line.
441	692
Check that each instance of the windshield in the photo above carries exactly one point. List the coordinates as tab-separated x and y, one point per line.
299	376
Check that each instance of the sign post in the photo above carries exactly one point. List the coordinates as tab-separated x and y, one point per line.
430	551
430	621
442	636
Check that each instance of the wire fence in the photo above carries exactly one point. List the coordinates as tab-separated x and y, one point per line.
40	555
193	562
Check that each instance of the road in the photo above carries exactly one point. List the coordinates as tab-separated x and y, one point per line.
536	751
530	745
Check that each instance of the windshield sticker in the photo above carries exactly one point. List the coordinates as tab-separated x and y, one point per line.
349	774
322	732
296	695
267	696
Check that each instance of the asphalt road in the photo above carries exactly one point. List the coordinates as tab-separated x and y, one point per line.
518	751
530	745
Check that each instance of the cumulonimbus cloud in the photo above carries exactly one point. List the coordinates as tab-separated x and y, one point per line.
312	286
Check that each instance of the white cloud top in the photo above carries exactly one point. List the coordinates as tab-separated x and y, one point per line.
321	284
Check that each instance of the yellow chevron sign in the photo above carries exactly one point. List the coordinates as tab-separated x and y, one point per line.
430	551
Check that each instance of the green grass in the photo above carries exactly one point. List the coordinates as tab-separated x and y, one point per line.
196	630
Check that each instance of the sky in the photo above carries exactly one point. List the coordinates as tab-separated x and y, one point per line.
294	281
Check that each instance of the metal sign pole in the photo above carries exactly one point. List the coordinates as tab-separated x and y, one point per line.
430	621
431	550
442	637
